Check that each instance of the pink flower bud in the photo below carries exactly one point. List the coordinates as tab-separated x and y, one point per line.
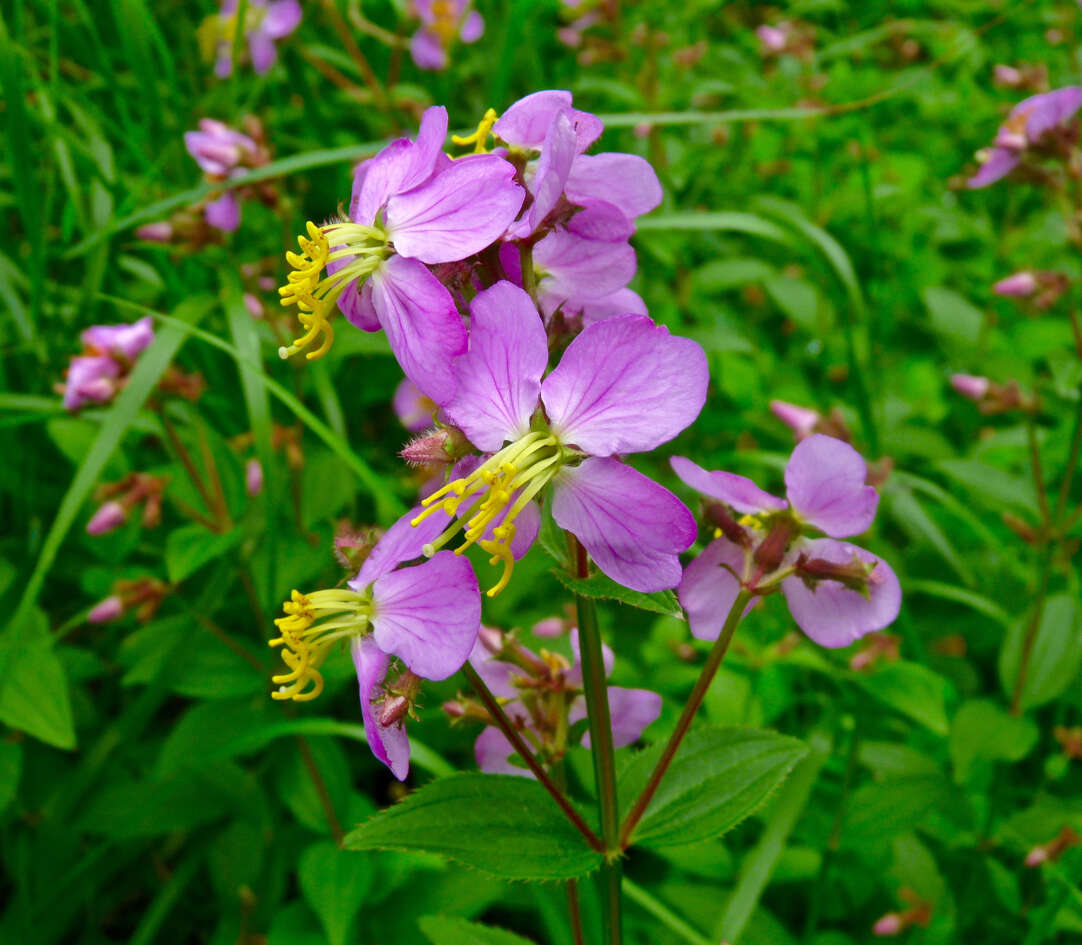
1019	285
454	709
106	610
549	627
253	477
491	639
254	306
108	518
1008	76
1036	857
160	232
971	386
801	420
772	38
890	924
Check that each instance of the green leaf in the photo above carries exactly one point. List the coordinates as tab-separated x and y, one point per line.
953	317
552	538
33	686
719	776
334	884
882	809
731	221
911	689
996	487
982	731
1056	655
601	587
190	547
501	824
451	930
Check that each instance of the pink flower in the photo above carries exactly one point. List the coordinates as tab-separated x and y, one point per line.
108	518
971	386
624	385
442	23
836	591
265	22
1019	285
111	608
801	420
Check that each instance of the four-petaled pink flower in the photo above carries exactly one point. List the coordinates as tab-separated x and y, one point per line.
426	615
624	385
265	22
443	22
836	591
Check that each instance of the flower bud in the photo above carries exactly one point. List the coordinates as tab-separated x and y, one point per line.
890	924
160	232
718	516
108	609
491	639
1007	76
773	40
1019	285
801	420
108	518
454	709
253	477
549	627
438	447
254	306
971	386
772	548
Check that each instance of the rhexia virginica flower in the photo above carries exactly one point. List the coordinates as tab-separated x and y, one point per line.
96	376
265	22
836	591
426	615
411	207
222	153
624	385
442	23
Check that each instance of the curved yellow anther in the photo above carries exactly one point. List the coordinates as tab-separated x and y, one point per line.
479	139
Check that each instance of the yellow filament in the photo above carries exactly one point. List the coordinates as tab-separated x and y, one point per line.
479	139
305	643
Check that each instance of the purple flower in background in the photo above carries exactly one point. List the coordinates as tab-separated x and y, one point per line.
971	386
1018	285
442	23
413	409
223	153
624	385
108	518
836	591
1030	121
426	615
801	420
96	376
540	708
412	207
265	22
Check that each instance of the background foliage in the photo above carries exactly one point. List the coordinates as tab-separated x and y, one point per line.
149	789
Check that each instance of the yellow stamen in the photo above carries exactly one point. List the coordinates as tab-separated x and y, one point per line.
518	472
479	139
306	643
315	294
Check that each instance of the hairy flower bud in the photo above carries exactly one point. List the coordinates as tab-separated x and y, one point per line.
443	446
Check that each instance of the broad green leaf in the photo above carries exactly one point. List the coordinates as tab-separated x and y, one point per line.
911	689
501	824
953	316
1056	655
190	547
452	930
335	883
601	587
719	776
33	686
879	810
982	731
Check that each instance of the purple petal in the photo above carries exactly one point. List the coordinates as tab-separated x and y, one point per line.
355	302
625	385
621	302
572	268
574	675
1049	110
262	50
413	409
473	27
90	380
602	222
127	341
223	63
402	542
428	615
552	169
633	528
399	167
735	491
833	615
497	675
427	50
281	19
824	480
423	326
624	180
709	588
526	122
458	212
389	743
223	213
997	164
497	382
493	753
632	710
